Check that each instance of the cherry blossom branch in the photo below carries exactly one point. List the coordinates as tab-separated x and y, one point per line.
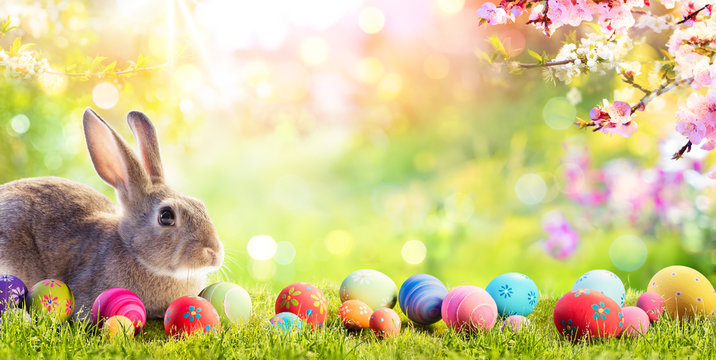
684	149
547	64
649	96
693	14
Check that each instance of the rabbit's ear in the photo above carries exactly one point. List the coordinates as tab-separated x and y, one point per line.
113	158
148	145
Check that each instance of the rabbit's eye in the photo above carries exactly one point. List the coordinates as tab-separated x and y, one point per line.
166	217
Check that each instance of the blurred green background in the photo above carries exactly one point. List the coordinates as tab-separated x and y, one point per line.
329	136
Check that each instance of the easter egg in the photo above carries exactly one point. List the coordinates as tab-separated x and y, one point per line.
231	301
515	322
652	303
12	292
636	322
385	323
686	292
304	300
514	294
372	287
286	322
53	297
587	313
355	314
421	297
468	308
119	301
118	327
191	315
603	281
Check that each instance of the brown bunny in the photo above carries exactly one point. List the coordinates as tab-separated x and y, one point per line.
156	242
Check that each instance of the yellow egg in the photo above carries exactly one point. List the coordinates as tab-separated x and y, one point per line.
118	326
686	291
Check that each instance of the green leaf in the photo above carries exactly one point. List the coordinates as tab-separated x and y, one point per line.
110	68
16	45
483	55
535	55
25	47
294	302
496	43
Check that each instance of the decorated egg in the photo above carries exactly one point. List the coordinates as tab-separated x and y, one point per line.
372	287
286	322
355	314
686	292
652	303
515	322
119	301
230	300
469	308
12	292
53	297
191	315
587	313
118	327
385	323
304	300
603	281
514	294
636	322
421	297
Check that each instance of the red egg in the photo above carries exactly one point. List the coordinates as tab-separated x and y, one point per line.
587	313
304	300
636	322
385	323
652	303
118	301
190	315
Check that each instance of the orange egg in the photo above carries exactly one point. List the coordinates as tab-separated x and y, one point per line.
385	323
118	327
355	314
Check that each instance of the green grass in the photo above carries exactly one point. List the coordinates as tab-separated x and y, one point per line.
43	338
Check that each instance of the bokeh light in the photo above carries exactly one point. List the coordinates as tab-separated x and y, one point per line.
628	252
530	189
20	124
105	95
559	113
414	252
314	51
371	20
262	247
450	6
338	242
262	270
285	253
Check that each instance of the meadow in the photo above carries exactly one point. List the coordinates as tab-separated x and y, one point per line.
43	338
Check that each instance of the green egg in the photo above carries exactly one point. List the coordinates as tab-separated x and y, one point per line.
372	287
53	297
231	301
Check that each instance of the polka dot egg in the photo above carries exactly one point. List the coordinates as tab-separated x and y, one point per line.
355	314
304	300
514	294
603	281
286	322
686	292
231	301
118	301
12	292
191	315
372	287
587	313
53	297
385	323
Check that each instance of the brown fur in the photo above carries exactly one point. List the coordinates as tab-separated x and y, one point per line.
54	228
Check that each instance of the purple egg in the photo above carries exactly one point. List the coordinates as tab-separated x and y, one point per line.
515	322
12	292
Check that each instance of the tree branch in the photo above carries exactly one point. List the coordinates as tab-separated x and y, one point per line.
648	97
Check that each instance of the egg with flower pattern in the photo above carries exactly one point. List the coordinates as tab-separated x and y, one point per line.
686	292
304	300
12	292
587	313
53	297
191	315
355	315
514	294
372	287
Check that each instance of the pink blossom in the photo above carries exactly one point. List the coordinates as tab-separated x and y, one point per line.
693	130
620	112
709	145
492	14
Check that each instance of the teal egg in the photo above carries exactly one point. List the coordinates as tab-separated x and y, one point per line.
603	281
372	287
514	294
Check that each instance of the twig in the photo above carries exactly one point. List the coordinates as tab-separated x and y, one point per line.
684	149
648	97
693	14
547	64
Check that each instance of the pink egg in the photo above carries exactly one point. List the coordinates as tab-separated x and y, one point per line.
652	303
118	301
469	307
515	322
636	322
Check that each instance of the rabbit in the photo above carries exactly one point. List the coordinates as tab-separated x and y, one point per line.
156	242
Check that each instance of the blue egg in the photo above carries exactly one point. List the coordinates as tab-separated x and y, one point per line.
421	297
514	293
603	281
286	322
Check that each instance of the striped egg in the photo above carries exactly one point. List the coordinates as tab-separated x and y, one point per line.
469	308
421	297
119	301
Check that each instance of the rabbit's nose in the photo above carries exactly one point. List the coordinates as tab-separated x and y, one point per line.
216	259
